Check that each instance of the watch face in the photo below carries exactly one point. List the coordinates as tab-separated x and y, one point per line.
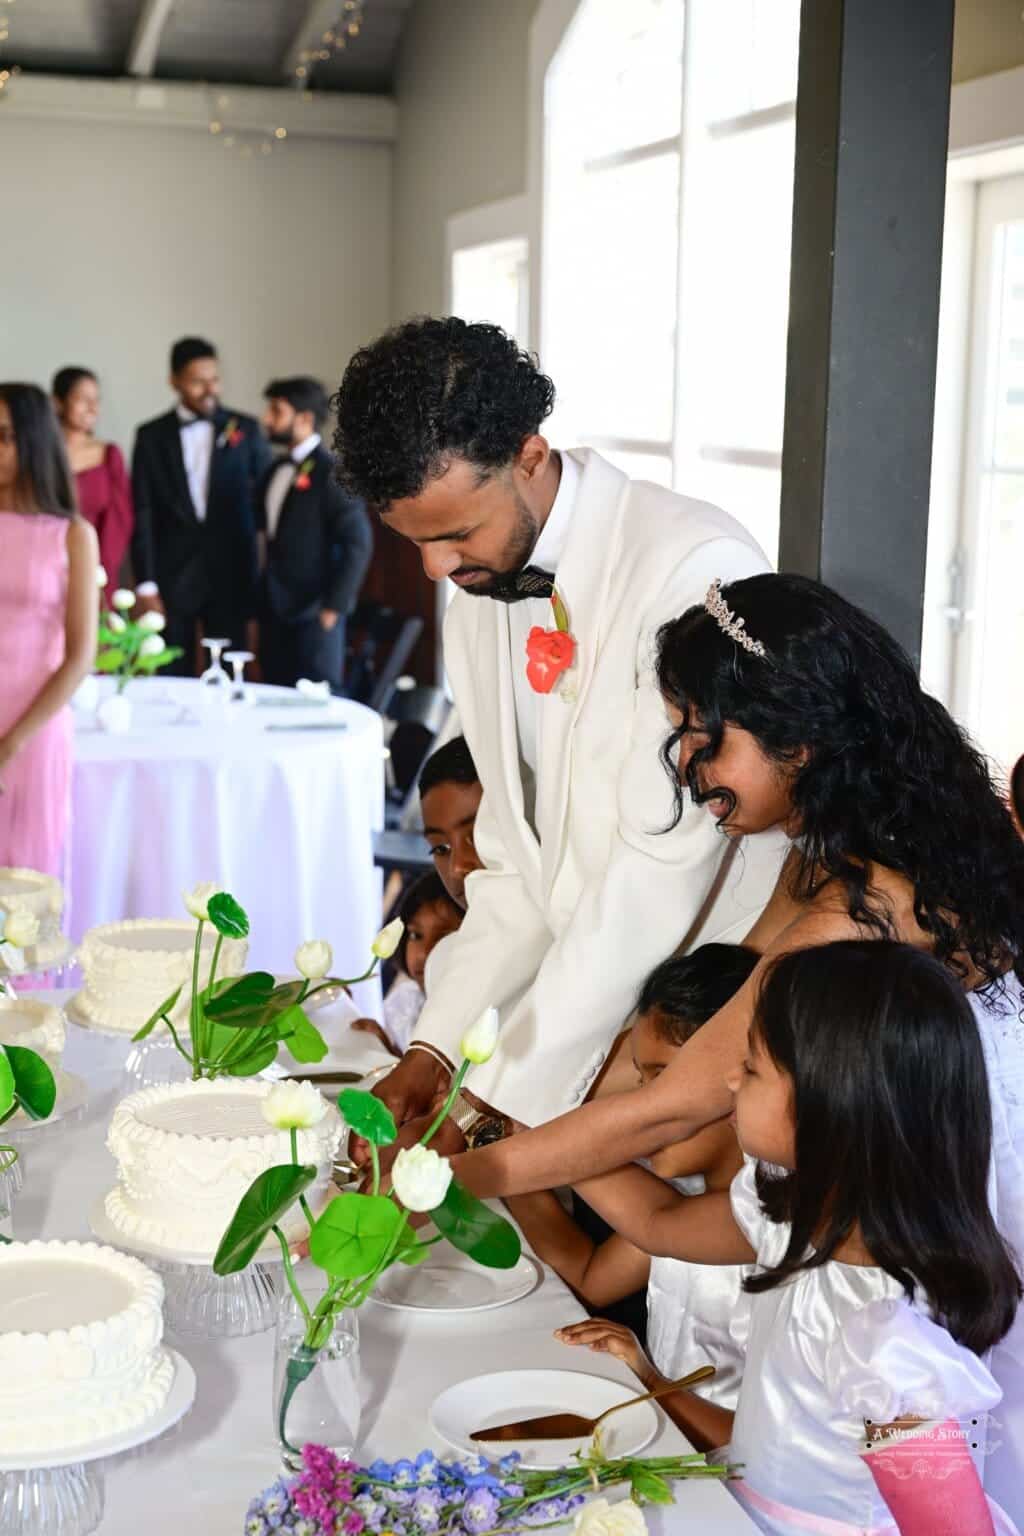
487	1132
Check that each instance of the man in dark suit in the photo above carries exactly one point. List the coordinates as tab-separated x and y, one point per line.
194	475
315	543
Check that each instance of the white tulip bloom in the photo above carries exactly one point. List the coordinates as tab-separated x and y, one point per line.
599	1518
123	598
152	621
314	959
388	940
116	624
101	576
293	1106
20	929
479	1041
420	1178
151	646
197	901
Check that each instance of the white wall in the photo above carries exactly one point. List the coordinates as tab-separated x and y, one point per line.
120	238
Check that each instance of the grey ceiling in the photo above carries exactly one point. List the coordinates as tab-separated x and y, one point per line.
236	41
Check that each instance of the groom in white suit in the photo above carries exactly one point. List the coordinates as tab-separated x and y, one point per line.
583	891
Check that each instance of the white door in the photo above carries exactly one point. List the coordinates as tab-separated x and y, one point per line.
986	607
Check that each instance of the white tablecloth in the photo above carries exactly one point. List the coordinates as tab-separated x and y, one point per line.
284	819
200	1477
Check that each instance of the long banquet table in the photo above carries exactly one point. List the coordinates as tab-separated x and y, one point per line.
200	1476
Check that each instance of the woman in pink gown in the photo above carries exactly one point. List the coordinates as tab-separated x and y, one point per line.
102	485
47	628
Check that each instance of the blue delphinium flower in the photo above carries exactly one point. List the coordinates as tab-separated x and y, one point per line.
476	1464
403	1474
510	1462
371	1509
397	1498
480	1511
426	1509
276	1504
428	1468
255	1525
381	1470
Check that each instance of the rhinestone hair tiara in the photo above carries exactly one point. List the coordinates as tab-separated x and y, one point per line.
727	621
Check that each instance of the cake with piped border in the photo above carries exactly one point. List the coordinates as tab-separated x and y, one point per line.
130	968
42	897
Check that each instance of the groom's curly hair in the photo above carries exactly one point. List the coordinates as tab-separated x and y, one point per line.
428	392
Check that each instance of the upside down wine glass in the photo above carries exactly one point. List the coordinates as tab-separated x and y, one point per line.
215	676
237	661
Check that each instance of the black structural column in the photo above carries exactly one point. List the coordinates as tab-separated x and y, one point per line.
872	121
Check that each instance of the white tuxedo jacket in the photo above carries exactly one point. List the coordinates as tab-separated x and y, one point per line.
565	923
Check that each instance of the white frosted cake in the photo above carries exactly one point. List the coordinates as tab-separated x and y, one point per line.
41	897
187	1152
80	1356
130	968
35	1025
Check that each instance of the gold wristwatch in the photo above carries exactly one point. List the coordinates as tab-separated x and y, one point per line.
480	1127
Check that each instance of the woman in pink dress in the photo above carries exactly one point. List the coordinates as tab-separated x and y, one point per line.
47	628
101	480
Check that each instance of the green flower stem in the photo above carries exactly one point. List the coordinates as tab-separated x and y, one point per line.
195	1029
244	1038
303	1202
457	1083
213	963
177	1042
289	1274
375	1160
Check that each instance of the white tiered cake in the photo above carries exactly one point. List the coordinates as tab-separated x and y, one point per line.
130	968
187	1152
80	1356
42	897
34	1025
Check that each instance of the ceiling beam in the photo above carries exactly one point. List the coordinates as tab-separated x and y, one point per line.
319	18
145	43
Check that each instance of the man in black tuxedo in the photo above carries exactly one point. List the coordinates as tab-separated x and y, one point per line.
194	475
315	543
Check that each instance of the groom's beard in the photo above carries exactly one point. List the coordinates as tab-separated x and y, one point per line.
501	584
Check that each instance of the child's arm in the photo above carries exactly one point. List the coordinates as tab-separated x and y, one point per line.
599	1273
658	1219
705	1424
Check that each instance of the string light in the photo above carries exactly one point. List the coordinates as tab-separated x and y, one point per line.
9	71
335	40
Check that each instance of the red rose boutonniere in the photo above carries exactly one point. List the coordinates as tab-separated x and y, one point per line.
551	652
232	434
302	481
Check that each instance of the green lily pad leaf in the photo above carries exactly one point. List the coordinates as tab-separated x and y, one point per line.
253	1060
34	1086
109	661
353	1234
151	664
367	1116
269	1197
242	1001
303	1039
227	916
154	1018
8	1101
476	1230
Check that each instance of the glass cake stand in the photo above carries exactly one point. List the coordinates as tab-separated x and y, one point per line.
21	1132
54	974
146	1062
45	1495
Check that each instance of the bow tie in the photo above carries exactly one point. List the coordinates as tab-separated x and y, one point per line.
195	421
531	581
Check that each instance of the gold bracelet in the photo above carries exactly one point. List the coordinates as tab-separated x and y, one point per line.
422	1045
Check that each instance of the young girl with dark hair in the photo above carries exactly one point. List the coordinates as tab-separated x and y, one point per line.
429	914
48	609
881	1277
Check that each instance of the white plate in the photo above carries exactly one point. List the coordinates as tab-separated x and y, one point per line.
503	1397
72	1093
179	1400
449	1281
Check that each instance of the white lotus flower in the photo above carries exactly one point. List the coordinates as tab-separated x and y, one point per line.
311	690
123	598
420	1178
116	624
152	621
151	646
479	1041
388	940
197	901
599	1518
101	576
314	959
20	929
293	1106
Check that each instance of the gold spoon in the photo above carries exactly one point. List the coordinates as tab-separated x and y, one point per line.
573	1426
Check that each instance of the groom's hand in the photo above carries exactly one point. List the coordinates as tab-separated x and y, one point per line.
409	1091
447	1140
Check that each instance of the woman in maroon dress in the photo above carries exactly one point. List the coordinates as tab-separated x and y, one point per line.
104	489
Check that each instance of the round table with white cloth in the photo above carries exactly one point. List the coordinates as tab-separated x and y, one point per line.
277	800
201	1476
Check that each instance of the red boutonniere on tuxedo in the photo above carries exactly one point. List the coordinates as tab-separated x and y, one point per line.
232	434
551	652
302	481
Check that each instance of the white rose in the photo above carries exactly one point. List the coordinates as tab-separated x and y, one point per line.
420	1178
480	1039
152	621
293	1106
314	959
599	1518
151	646
20	929
11	958
123	598
388	940
116	624
101	576
197	901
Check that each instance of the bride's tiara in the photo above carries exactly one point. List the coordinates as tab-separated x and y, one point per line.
727	621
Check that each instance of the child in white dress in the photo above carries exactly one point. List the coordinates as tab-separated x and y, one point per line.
882	1280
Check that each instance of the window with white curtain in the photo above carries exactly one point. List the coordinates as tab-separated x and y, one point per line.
669	139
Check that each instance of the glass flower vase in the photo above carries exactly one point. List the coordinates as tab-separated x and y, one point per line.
12	1177
316	1391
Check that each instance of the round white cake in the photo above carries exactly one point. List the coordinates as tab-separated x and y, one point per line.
187	1152
80	1356
130	968
42	897
35	1025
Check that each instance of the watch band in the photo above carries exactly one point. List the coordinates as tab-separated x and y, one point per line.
465	1115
